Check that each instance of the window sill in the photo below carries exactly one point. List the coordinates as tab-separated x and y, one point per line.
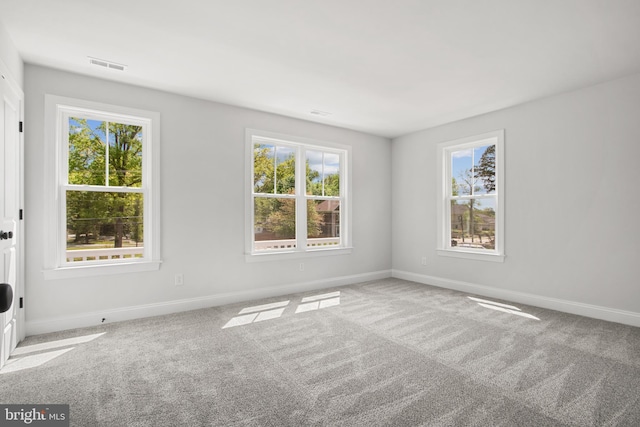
280	256
100	270
458	253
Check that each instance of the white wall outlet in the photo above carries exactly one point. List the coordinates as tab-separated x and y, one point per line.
424	260
302	266
179	280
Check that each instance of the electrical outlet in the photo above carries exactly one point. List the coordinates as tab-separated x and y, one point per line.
179	280
424	260
302	266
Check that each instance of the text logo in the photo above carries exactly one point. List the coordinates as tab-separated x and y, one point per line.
34	415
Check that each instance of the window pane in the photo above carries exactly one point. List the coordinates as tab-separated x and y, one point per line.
86	152
475	231
125	155
274	166
285	170
263	161
331	174
462	172
323	223
323	173
87	156
274	223
485	169
314	172
104	225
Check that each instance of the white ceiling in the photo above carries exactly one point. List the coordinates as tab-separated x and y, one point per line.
386	67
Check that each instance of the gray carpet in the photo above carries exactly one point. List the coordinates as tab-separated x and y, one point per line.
382	353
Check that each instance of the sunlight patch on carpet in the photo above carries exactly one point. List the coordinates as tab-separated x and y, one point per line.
31	356
33	361
55	344
263	307
505	308
275	310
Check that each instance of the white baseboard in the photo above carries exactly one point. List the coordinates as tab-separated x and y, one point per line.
43	326
588	310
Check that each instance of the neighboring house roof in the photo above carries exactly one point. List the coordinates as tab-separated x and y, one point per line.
328	206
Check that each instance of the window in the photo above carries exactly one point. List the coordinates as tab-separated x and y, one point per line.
471	205
104	188
297	195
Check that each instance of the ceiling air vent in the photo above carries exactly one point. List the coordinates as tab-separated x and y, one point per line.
107	64
320	113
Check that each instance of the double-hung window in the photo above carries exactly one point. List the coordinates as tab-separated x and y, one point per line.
298	195
103	196
471	197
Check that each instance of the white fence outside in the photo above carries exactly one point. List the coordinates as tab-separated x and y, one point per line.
120	253
262	245
99	254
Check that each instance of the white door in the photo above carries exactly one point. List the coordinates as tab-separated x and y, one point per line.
10	224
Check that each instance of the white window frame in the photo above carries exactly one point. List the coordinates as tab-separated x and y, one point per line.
301	145
444	152
57	112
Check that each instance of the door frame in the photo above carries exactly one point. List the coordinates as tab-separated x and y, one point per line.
19	287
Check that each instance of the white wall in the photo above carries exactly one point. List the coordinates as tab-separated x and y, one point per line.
572	204
202	158
10	57
571	207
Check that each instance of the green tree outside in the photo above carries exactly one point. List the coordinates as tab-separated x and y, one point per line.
91	214
277	215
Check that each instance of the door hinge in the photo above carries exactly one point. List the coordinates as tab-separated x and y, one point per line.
21	302
20	126
21	215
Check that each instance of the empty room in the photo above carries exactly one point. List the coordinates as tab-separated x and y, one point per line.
338	213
